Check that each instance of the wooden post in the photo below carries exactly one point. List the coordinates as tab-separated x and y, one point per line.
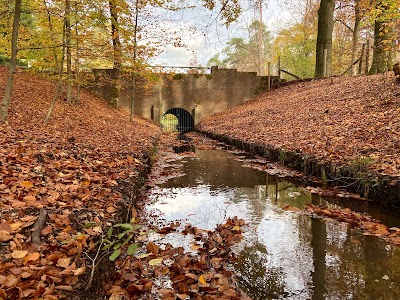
367	58
325	62
279	71
269	77
361	59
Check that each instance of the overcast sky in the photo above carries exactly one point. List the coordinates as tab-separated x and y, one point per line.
211	36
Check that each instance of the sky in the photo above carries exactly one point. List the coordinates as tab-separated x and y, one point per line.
211	36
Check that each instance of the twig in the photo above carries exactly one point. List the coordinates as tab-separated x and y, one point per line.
347	26
40	47
94	264
38	226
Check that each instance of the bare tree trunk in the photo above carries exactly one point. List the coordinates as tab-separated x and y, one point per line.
324	38
260	42
379	56
77	58
60	81
356	35
383	33
68	48
56	63
117	53
134	60
5	104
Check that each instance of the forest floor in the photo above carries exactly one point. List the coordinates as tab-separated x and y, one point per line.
347	121
69	228
72	169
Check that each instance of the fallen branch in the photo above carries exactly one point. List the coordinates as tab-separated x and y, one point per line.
37	228
295	76
351	66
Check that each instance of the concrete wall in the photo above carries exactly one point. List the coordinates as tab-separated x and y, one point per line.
199	94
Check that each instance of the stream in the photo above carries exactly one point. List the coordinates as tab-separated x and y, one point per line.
284	255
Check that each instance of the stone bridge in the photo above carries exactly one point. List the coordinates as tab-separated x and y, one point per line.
190	97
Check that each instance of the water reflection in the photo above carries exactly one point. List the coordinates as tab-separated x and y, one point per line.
257	278
285	255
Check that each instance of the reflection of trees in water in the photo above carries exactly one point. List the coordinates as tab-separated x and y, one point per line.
282	192
255	201
352	266
255	278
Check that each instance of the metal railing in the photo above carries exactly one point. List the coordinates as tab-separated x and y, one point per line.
161	69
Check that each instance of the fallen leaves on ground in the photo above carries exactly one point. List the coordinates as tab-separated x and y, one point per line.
347	120
167	272
79	167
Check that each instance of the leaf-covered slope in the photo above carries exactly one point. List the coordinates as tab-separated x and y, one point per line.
75	167
341	120
92	121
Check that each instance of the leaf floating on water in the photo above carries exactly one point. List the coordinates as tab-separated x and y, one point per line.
291	208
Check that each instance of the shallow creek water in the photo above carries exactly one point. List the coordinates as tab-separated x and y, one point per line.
285	255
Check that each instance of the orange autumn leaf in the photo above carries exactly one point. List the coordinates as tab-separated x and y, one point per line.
63	262
30	198
19	253
47	230
27	184
202	280
5	236
31	257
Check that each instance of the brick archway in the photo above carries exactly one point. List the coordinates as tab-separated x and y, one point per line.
185	119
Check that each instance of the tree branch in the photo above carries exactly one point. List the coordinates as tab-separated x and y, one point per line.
38	226
41	47
347	26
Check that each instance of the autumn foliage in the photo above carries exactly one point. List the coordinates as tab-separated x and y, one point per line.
77	168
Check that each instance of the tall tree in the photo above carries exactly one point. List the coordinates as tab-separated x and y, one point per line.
295	43
115	34
244	54
356	35
5	104
385	12
68	48
324	38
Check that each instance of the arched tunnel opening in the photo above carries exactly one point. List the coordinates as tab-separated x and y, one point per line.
177	119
